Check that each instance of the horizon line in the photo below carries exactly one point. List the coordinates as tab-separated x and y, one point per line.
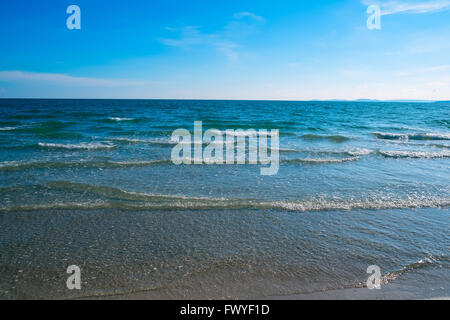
213	99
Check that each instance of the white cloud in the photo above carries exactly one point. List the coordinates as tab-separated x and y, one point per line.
240	15
418	7
241	26
63	79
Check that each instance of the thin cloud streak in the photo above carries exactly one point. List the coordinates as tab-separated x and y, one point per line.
396	7
240	15
63	79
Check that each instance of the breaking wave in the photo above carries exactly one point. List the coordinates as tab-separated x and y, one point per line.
79	146
9	128
23	165
120	119
412	136
323	157
244	133
102	197
319	160
414	154
427	261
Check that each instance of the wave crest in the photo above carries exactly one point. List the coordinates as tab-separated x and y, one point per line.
318	160
412	136
414	154
120	119
79	146
427	261
23	165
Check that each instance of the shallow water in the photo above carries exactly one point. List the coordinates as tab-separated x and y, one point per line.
90	183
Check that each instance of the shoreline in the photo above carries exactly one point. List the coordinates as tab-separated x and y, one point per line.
357	294
391	291
339	294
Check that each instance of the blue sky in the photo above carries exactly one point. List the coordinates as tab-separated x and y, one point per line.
287	50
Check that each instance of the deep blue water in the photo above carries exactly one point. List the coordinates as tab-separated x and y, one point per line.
90	182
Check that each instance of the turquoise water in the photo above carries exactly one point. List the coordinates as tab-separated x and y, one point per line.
90	183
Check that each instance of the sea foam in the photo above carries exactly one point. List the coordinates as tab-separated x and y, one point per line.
79	146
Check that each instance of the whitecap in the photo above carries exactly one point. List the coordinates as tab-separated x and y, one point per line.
79	146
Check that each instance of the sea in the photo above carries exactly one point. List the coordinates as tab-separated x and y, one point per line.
91	183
